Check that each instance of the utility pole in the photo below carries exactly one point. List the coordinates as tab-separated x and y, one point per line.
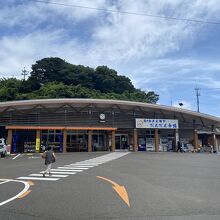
24	73
197	97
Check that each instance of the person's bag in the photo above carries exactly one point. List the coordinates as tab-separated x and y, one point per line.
43	155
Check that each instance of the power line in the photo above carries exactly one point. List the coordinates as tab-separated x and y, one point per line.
128	13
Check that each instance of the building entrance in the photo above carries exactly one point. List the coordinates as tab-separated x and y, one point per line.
99	141
121	141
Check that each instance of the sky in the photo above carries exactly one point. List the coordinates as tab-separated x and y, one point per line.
169	56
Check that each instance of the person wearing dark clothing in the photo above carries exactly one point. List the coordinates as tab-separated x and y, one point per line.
179	147
50	158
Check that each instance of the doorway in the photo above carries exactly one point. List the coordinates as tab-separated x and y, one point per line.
121	141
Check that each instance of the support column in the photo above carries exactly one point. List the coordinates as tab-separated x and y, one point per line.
214	143
9	140
177	138
156	140
64	140
89	141
113	141
195	140
135	139
37	141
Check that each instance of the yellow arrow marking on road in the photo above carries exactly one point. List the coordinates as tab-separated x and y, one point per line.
119	189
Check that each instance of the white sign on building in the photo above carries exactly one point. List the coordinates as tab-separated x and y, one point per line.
157	123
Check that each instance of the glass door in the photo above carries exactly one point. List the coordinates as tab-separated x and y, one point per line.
121	142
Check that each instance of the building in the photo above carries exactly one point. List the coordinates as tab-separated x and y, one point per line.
100	125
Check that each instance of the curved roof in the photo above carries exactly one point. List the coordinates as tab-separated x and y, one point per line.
27	104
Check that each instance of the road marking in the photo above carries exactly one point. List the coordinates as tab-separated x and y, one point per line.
26	187
30	183
86	163
38	174
33	157
37	178
62	170
119	189
54	172
16	156
5	182
24	194
77	168
89	166
72	168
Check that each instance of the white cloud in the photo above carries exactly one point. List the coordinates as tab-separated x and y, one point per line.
131	44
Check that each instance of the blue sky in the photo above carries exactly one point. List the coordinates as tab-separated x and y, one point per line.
170	57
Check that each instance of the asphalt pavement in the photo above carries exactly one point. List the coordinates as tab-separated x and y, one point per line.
121	185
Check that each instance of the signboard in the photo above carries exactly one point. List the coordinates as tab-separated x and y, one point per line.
157	123
37	144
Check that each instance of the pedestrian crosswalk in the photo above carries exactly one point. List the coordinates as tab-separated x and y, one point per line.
74	168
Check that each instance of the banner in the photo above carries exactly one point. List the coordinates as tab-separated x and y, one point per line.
157	123
37	144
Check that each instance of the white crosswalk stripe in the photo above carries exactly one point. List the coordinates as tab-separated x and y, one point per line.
37	178
76	165
53	175
70	169
60	172
74	168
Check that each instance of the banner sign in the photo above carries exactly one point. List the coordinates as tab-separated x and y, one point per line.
37	144
157	123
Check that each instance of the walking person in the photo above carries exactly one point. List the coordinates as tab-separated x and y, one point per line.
179	146
50	158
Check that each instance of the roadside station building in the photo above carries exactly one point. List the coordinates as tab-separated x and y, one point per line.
71	125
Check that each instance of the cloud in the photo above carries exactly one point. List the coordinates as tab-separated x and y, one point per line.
138	46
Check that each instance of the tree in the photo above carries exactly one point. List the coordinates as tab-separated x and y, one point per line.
55	78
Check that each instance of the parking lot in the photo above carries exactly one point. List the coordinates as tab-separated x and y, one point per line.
157	185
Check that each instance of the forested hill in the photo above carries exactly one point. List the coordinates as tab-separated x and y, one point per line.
55	78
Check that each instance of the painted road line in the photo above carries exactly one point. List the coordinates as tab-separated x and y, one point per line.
5	182
65	173
16	156
86	163
24	194
77	165
37	178
38	174
33	157
119	189
26	188
72	168
62	170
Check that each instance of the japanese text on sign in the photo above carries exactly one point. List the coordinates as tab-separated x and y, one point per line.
157	123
